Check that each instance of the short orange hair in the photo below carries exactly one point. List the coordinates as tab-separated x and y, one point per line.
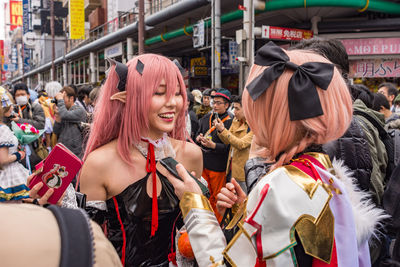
269	118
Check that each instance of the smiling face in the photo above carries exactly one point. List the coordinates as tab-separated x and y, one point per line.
164	111
220	105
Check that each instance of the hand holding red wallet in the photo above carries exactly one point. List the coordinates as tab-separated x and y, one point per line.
54	174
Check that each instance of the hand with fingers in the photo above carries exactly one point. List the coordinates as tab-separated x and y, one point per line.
35	198
187	184
207	142
199	138
219	125
229	195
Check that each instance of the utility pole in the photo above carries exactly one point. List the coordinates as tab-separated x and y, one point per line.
216	44
53	48
141	27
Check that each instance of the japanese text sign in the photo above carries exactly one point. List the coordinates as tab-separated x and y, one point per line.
279	33
76	19
375	68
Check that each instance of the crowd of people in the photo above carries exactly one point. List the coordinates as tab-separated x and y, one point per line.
300	170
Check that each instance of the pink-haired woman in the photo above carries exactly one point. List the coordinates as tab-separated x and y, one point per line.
305	211
139	119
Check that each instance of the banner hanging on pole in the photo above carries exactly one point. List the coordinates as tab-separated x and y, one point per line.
15	14
76	19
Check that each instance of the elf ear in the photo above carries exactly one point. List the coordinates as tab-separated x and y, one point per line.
121	96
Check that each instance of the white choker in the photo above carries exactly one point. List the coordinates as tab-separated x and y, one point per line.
162	147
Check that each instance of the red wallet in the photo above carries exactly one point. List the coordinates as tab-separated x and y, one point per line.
56	171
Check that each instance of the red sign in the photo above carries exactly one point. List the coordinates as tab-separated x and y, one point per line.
272	32
375	68
373	46
3	77
15	14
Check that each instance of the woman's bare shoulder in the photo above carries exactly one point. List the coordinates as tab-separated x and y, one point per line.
97	163
183	148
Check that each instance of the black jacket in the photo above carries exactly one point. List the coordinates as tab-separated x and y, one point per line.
353	149
214	159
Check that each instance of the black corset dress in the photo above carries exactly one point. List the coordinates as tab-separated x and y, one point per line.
135	209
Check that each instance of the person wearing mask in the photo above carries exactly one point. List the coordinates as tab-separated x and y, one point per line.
239	137
69	117
215	152
390	91
205	107
28	112
32	113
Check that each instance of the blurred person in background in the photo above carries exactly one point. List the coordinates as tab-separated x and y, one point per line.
197	100
32	113
382	105
13	175
215	152
68	120
83	98
46	99
390	91
205	107
239	137
192	123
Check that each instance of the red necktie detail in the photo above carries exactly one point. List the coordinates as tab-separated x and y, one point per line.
151	167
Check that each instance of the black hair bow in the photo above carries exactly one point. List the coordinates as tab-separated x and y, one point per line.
303	97
122	72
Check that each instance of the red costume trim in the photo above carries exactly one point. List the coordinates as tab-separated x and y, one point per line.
123	232
151	167
260	261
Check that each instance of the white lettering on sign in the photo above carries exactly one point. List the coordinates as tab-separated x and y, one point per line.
113	51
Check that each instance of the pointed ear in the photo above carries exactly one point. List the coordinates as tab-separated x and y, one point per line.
121	96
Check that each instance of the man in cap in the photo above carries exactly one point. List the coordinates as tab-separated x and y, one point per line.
215	152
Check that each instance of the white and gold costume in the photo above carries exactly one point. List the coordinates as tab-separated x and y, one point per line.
321	210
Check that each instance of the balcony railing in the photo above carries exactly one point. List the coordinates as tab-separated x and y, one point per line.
124	19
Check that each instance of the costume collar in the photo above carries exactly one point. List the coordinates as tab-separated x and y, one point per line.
162	147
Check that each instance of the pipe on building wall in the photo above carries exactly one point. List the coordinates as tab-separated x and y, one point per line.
273	5
172	11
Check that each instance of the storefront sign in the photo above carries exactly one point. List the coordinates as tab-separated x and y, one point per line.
25	28
200	71
76	19
375	68
279	33
15	14
233	50
373	46
113	51
198	61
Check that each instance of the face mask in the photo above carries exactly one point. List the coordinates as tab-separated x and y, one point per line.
21	100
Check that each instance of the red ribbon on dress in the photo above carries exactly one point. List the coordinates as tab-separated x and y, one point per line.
151	167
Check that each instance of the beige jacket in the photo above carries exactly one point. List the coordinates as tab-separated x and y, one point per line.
30	237
240	139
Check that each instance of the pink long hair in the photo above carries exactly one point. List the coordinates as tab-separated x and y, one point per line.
127	121
269	119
